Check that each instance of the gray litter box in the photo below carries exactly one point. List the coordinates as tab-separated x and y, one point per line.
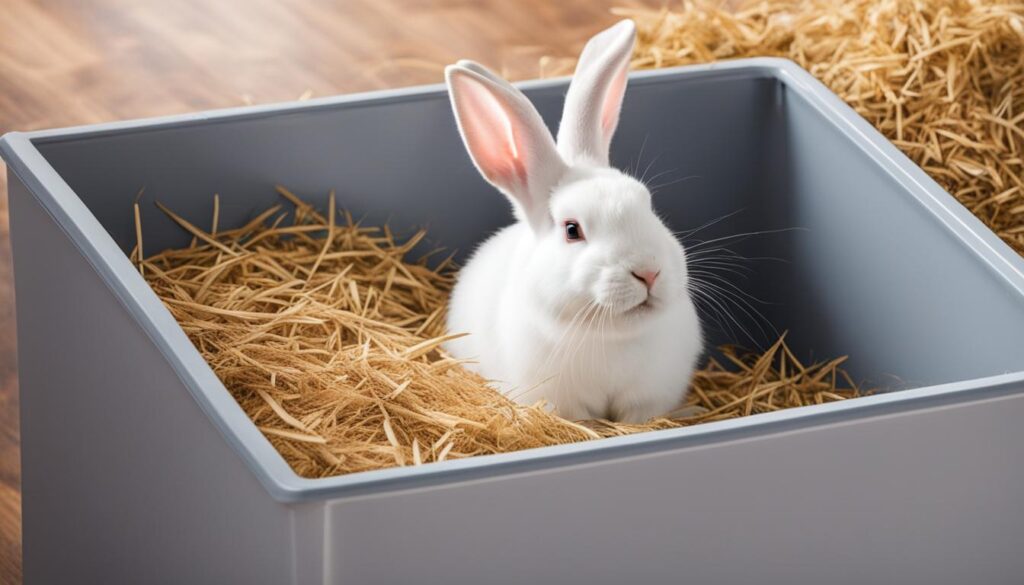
138	467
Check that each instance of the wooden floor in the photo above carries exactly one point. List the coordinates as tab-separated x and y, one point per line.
66	62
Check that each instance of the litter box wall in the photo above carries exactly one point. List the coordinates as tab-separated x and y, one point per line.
138	467
123	481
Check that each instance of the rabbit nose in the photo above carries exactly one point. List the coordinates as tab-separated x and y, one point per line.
647	277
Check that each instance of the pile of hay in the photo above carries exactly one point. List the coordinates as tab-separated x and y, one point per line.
942	79
329	339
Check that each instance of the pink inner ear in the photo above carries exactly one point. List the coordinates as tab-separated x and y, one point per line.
613	101
491	135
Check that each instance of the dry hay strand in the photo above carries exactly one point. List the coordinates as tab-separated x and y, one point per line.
329	338
942	79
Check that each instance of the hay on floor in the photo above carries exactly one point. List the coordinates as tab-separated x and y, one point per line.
942	79
329	339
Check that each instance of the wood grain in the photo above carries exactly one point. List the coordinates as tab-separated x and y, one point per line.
66	62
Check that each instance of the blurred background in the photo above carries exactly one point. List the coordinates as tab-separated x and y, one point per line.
69	62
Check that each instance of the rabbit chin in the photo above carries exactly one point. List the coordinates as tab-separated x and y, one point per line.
627	316
629	303
637	311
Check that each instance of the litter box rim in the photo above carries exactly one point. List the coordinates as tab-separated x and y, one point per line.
19	150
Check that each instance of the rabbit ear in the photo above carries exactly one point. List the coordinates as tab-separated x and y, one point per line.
595	95
506	138
485	72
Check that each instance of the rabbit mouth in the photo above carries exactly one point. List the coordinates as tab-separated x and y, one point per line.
645	306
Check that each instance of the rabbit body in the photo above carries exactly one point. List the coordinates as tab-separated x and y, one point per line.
583	373
584	301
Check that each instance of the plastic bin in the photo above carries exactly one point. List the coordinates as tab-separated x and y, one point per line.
138	467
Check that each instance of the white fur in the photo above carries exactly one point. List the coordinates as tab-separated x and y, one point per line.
564	321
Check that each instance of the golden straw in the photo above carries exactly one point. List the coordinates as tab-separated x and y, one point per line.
329	338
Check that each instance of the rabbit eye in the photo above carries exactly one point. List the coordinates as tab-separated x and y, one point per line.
573	231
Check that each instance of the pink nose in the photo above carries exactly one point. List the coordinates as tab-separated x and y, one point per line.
647	276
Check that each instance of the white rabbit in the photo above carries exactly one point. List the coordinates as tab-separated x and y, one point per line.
584	301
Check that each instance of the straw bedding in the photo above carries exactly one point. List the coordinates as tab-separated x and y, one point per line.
329	337
942	79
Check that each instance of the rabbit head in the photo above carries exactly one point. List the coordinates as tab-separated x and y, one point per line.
596	239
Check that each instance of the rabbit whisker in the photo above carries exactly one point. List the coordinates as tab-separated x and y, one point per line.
640	155
558	350
701	292
709	223
730	293
656	189
744	235
648	168
578	343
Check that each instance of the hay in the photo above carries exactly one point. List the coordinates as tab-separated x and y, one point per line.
942	79
329	339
